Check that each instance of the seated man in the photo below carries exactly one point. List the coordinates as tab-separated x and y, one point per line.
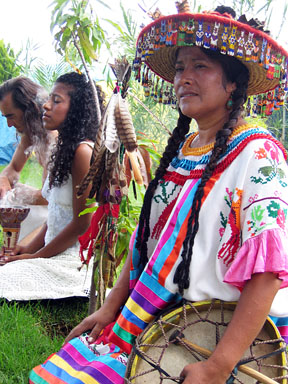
21	103
9	142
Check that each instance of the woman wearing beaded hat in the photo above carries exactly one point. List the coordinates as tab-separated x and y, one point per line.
214	219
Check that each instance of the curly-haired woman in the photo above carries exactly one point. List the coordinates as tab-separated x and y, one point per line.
47	266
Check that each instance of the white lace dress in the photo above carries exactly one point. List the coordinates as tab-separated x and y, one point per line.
55	277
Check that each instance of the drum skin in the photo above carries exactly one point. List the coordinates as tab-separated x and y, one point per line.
203	324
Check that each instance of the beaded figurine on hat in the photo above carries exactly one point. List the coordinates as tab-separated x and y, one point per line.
247	41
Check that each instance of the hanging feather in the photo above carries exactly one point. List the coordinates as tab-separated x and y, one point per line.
183	6
111	143
125	83
120	69
111	140
97	179
124	123
142	167
147	161
135	167
111	162
91	173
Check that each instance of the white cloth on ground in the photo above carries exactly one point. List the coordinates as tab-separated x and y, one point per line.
49	278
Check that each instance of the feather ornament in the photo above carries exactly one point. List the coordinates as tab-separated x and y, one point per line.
111	140
121	69
91	173
124	124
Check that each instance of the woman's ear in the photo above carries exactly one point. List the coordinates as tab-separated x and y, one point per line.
230	87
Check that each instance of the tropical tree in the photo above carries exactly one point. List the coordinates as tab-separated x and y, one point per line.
8	62
47	74
77	25
28	57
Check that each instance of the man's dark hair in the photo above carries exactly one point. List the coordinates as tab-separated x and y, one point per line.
29	97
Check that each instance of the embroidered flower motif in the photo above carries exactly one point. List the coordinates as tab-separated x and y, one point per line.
272	169
261	154
265	216
281	219
166	198
267	145
274	155
253	198
230	194
230	247
221	231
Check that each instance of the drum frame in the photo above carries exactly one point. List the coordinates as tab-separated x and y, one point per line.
171	318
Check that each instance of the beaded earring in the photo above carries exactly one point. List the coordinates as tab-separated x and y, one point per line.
229	103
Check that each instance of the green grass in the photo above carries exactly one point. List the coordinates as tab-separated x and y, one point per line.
31	331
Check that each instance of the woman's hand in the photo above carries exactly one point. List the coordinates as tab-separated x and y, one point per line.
19	250
17	254
4	186
95	322
24	256
203	372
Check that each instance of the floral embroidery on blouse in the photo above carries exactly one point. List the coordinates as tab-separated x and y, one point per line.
230	248
270	152
260	214
164	197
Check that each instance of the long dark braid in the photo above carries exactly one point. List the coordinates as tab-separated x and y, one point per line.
177	137
238	73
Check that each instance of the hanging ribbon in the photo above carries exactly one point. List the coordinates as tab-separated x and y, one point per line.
87	239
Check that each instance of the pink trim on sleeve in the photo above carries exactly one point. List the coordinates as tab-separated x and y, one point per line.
267	252
132	239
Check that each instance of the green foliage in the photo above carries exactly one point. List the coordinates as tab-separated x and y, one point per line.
28	53
150	118
31	173
125	41
8	63
46	75
77	25
130	209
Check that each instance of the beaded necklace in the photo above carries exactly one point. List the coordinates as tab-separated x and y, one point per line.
187	150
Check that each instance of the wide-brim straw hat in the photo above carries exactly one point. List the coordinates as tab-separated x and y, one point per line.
158	42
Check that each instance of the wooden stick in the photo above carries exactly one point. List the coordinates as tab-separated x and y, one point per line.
242	368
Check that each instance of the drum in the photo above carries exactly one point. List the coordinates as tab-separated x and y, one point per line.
189	333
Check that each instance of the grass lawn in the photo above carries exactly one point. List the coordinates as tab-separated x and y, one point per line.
31	331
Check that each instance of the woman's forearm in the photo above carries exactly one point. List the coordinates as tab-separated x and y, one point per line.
65	239
37	242
248	319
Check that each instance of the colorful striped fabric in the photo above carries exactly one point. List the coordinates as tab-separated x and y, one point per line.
75	363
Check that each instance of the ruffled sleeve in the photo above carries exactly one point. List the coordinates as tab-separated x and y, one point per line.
267	252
